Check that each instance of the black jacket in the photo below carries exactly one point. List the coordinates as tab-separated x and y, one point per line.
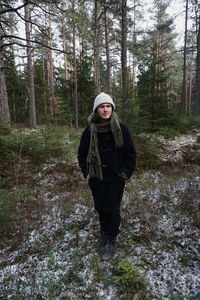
114	160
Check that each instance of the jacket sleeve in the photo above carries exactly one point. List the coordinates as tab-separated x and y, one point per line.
83	151
128	154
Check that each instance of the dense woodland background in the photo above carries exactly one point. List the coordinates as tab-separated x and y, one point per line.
57	55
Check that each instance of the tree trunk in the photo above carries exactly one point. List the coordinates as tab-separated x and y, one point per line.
184	81
4	108
75	65
96	50
50	67
45	91
189	92
124	60
64	47
197	83
108	73
158	56
134	41
31	89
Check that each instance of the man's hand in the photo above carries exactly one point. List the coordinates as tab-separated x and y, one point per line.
87	177
124	176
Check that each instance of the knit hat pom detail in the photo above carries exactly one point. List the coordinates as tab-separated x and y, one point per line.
102	98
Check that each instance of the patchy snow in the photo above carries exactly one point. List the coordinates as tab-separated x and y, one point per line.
160	231
174	150
171	257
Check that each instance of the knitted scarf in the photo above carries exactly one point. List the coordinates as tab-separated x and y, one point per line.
93	158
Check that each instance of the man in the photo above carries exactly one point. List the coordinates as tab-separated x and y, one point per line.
107	159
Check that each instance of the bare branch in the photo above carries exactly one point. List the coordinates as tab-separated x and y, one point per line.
32	41
33	23
43	9
13	9
61	9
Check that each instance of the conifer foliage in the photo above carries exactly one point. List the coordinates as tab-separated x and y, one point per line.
56	55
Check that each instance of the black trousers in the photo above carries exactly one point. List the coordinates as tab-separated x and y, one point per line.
110	223
107	195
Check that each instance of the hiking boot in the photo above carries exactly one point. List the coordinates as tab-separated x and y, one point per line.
109	250
102	240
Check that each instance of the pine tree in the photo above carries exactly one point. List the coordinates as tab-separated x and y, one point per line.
154	94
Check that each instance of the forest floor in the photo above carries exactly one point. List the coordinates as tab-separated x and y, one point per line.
49	252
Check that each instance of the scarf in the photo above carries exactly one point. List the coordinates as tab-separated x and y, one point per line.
93	158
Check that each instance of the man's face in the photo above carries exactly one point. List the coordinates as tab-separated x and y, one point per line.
104	111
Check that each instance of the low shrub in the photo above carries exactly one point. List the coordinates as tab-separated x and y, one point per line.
130	276
4	130
147	152
7	209
189	123
38	147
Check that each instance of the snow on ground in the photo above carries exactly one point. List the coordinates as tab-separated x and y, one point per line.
171	257
174	150
160	232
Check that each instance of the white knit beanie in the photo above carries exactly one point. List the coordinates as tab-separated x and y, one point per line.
102	98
